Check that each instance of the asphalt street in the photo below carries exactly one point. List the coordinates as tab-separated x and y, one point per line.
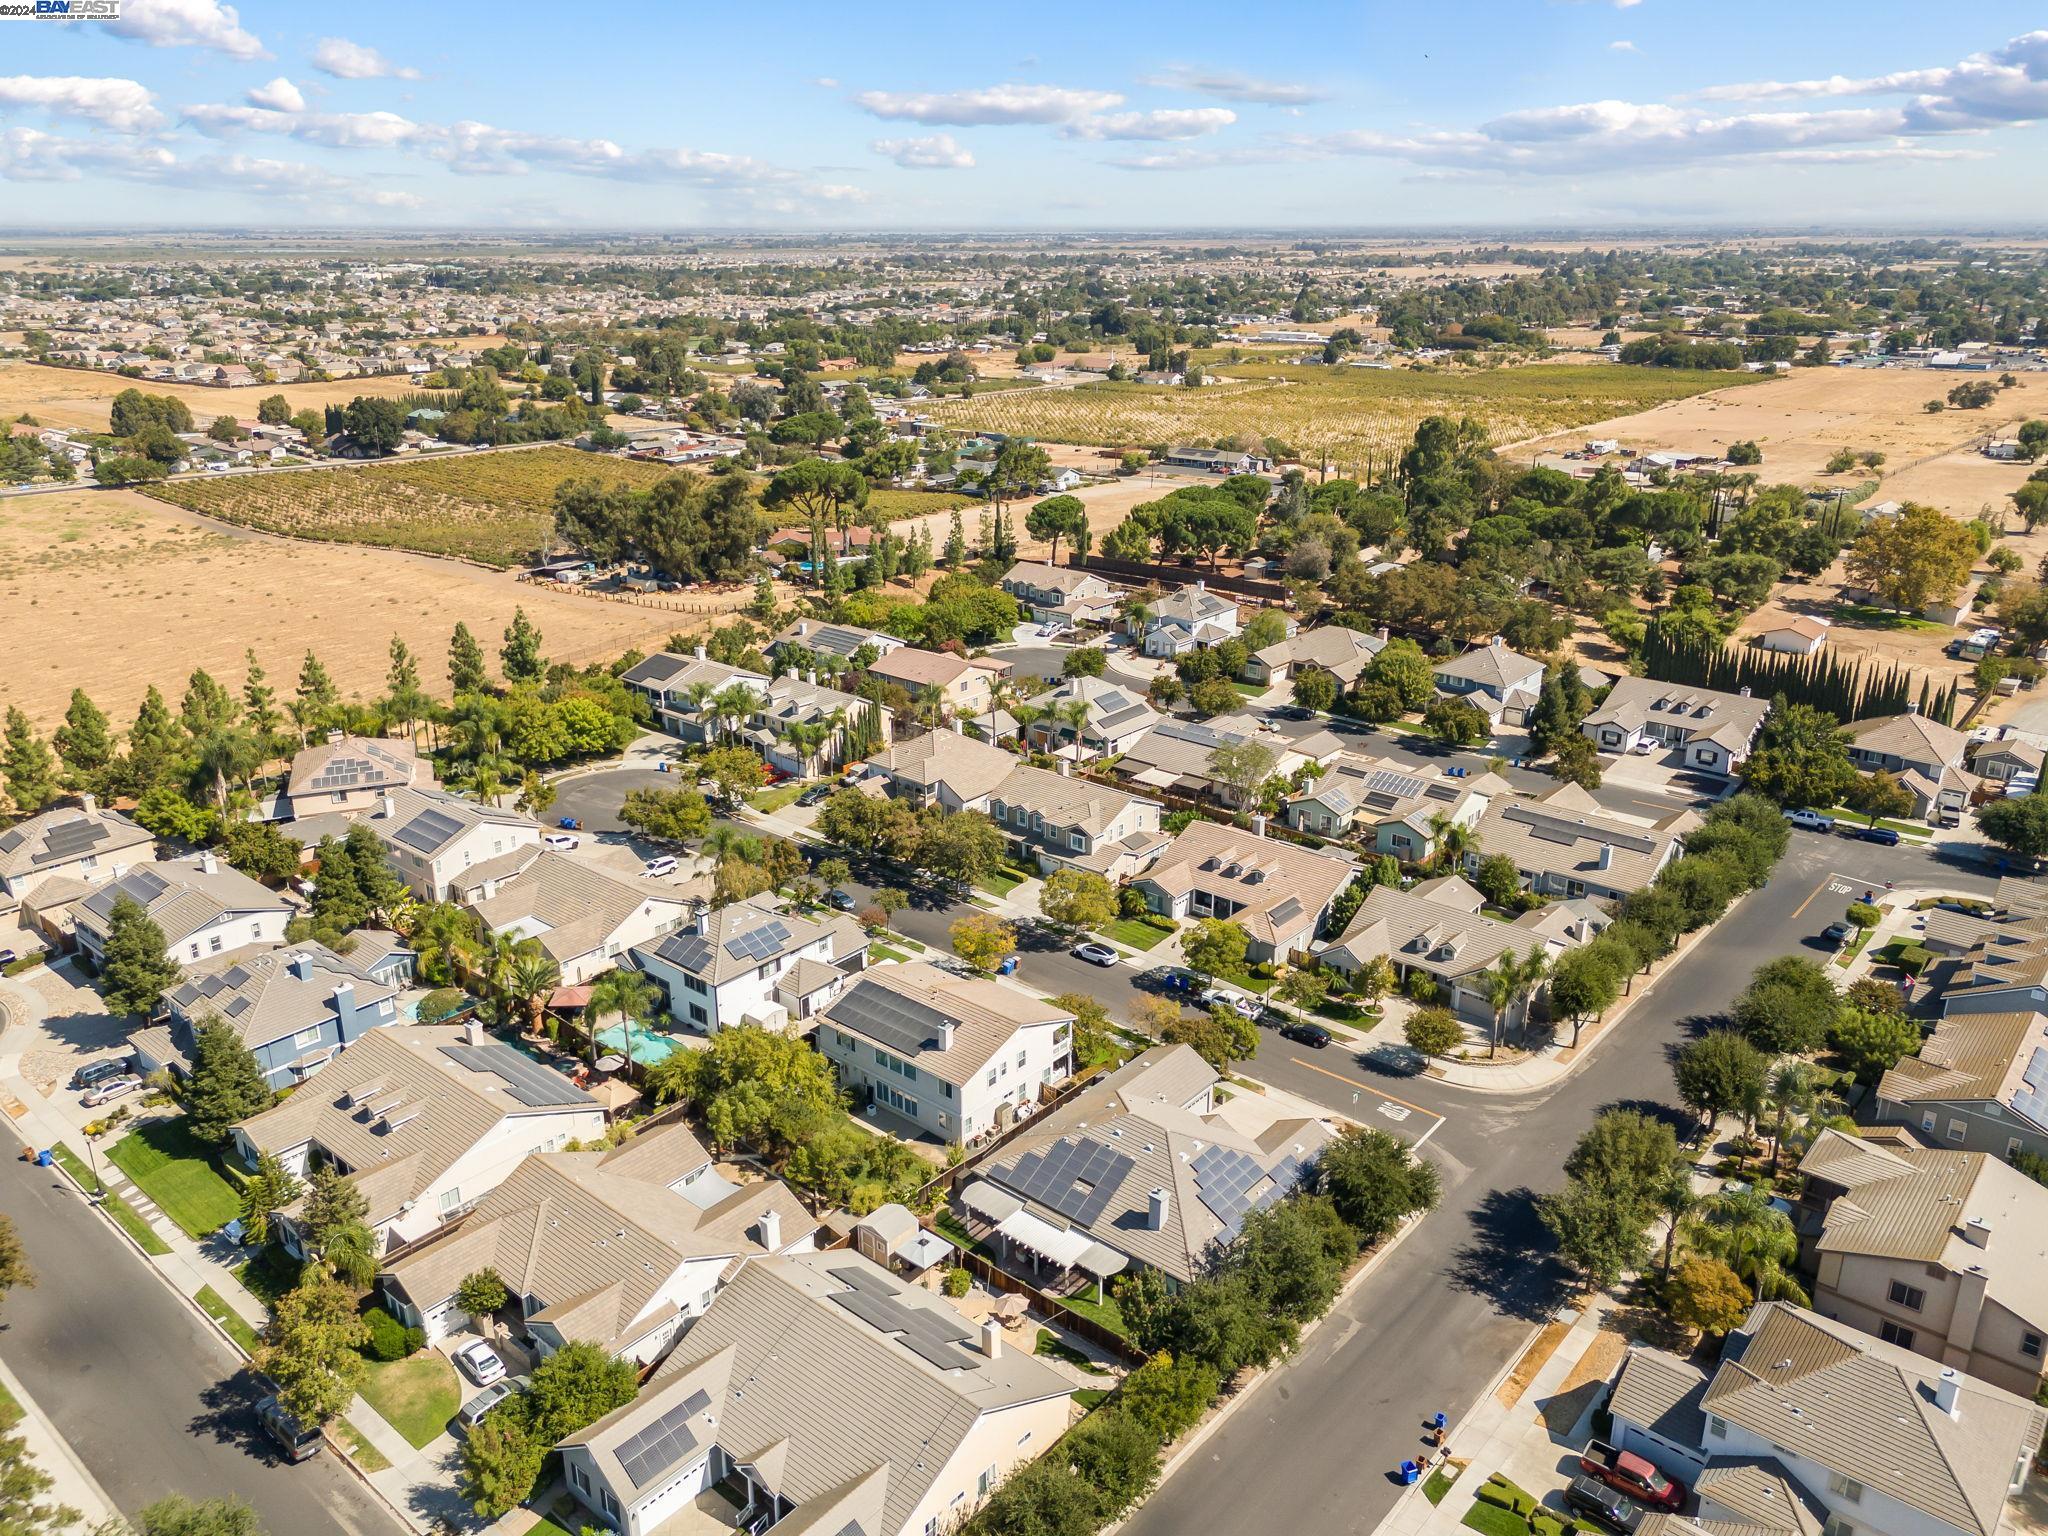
150	1400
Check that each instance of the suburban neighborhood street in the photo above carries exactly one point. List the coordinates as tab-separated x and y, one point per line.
150	1400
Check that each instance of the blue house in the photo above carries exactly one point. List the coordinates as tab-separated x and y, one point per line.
293	1007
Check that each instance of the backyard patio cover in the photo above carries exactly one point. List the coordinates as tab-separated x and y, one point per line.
1068	1249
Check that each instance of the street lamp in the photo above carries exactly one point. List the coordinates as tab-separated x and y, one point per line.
99	1185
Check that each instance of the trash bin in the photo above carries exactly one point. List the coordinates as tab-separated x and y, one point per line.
1410	1472
44	1159
1439	1422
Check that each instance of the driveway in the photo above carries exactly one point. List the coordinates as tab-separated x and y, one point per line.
76	1027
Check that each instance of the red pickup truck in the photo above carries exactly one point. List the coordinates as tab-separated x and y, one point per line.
1628	1472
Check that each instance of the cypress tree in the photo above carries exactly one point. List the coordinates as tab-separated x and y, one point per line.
84	742
226	1085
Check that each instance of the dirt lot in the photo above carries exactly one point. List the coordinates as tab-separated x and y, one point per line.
1803	417
109	591
78	397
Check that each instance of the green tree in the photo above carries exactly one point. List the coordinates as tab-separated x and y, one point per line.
733	771
316	699
964	847
1801	757
1575	760
207	708
466	663
402	693
752	1087
575	1387
501	1461
1401	667
1056	518
29	768
1602	1233
1707	1296
1497	879
1721	1073
1375	1181
311	1348
16	1273
269	1190
335	1218
2019	823
1789	1006
135	966
1909	561
84	743
1584	983
178	1515
1753	1238
670	815
259	700
1316	689
983	940
1456	722
1871	1044
1215	947
1433	1030
226	1084
1078	898
520	655
1168	1397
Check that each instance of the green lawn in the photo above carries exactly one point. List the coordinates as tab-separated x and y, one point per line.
1855	947
1090	1398
1856	818
176	1171
886	952
1340	1012
416	1397
770	800
215	1306
270	1274
366	1455
126	1217
1492	1520
951	1226
1006	880
1052	1347
1136	933
1105	1313
1252	690
1438	1485
1865	616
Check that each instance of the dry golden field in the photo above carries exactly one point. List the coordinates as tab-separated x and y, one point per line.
79	397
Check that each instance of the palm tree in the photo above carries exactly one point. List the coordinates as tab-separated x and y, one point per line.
473	722
733	704
1074	716
1752	1237
1792	1093
1026	716
700	695
929	707
1451	840
804	738
528	982
1511	981
1675	1200
232	754
629	994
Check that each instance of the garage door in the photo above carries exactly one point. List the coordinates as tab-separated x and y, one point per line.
672	1496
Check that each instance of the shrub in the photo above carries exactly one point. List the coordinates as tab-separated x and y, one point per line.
958	1281
389	1338
1421	987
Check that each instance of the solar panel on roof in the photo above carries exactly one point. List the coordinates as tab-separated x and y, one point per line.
1224	1178
904	1026
524	1078
932	1336
757	943
70	840
1076	1176
646	1455
428	830
1387	782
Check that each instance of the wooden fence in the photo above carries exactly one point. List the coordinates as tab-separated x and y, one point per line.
658	600
997	1278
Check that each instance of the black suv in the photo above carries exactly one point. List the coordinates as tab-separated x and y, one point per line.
1604	1506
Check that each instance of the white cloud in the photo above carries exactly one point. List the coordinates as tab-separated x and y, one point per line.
345	60
1226	85
280	95
2008	84
187	24
840	192
990	104
1190	159
29	155
122	105
1169	123
1626	5
826	82
335	130
940	152
1623	45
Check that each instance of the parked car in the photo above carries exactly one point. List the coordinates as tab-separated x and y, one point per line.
8	957
841	901
1884	835
1813	821
1301	1032
1837	934
113	1088
480	1363
1094	954
815	794
293	1438
1628	1473
570	824
98	1071
1604	1506
471	1413
1243	1007
560	842
1644	748
661	864
1168	978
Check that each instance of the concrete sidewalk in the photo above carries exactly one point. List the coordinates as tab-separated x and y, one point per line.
70	1483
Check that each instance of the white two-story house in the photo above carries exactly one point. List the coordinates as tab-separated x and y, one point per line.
432	838
205	909
749	964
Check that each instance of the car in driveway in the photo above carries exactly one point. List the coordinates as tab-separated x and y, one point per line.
94	1073
1813	821
480	1363
1301	1032
111	1089
1094	954
471	1413
816	794
559	842
298	1442
1606	1507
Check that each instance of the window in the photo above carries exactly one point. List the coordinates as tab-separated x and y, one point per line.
1718	1428
1892	1333
698	1015
1020	1061
2030	1345
1957	1130
450	1198
1911	1297
1077	842
576	1476
306	1038
695	984
986	1481
1927	1121
2013	1146
1847	1489
214	943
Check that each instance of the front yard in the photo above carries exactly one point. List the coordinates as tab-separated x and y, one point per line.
176	1171
416	1397
1138	932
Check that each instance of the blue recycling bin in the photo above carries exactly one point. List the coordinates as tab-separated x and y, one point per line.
1439	1422
44	1159
1410	1472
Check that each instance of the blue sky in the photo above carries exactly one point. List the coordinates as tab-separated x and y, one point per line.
1131	114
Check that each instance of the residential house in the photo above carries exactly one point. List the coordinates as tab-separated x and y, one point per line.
1925	756
1389	806
1113	716
944	768
348	775
583	917
1794	635
1980	1082
749	964
79	844
1217	461
1175	755
957	1058
1940	1252
424	1120
1341	652
433	838
1810	1426
1565	843
1054	593
2006	756
1194	618
838	1399
963	684
618	1248
1503	682
1148	1166
822	639
204	908
686	693
292	1008
1713	730
1277	892
1440	930
1059	822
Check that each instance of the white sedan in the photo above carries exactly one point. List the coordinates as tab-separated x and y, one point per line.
480	1363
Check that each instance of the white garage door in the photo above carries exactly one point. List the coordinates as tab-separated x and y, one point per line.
672	1496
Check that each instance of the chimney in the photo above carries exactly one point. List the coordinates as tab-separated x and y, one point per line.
1382	633
1977	1232
386	806
472	1031
946	1027
302	966
1066	768
811	677
700	650
1912	706
1156	1209
1201	585
1946	1391
345	1009
88	803
991	1338
803	627
208	864
1745	690
334	736
1607	855
1258	826
770	1227
959	726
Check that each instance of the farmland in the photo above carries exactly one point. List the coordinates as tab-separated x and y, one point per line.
1344	412
493	508
80	397
901	504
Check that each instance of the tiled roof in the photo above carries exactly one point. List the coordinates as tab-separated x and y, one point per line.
1563	831
569	907
985	1016
1971	1056
1062	801
1275	883
272	996
1492	666
735	939
182	896
1910	737
354	763
967	767
64	835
